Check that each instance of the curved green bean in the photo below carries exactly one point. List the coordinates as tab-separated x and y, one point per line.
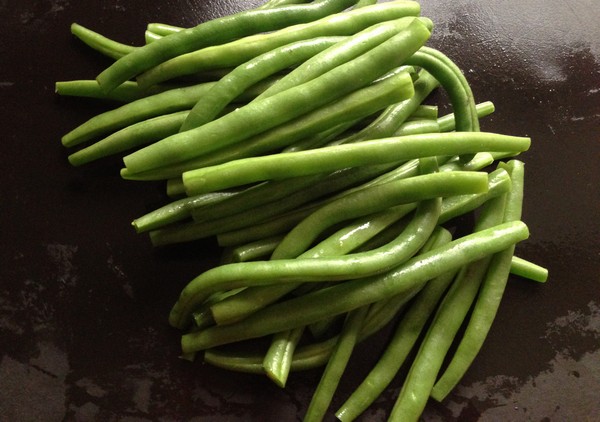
100	43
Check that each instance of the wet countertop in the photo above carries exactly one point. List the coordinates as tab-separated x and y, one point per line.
83	299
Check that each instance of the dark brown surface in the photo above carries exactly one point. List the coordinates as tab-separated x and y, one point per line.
83	300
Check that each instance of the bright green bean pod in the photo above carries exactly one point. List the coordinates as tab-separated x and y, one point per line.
213	32
244	76
237	52
258	116
284	165
394	116
526	269
350	295
163	29
489	298
415	127
100	43
252	251
447	123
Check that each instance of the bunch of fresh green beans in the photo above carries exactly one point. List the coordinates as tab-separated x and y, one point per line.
298	134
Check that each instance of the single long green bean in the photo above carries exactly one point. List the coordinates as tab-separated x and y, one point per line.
350	295
213	32
237	52
127	92
176	211
379	151
258	116
100	43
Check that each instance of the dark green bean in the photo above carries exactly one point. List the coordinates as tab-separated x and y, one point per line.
213	32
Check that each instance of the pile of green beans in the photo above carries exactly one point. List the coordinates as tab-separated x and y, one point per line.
306	137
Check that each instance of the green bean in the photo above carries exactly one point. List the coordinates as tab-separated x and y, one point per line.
322	138
237	52
529	270
363	3
175	188
100	43
425	111
127	92
448	122
213	32
135	135
271	4
176	211
284	165
445	325
415	127
336	365
357	104
150	37
278	359
306	357
255	250
489	298
350	295
271	227
371	35
163	29
258	116
251	72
